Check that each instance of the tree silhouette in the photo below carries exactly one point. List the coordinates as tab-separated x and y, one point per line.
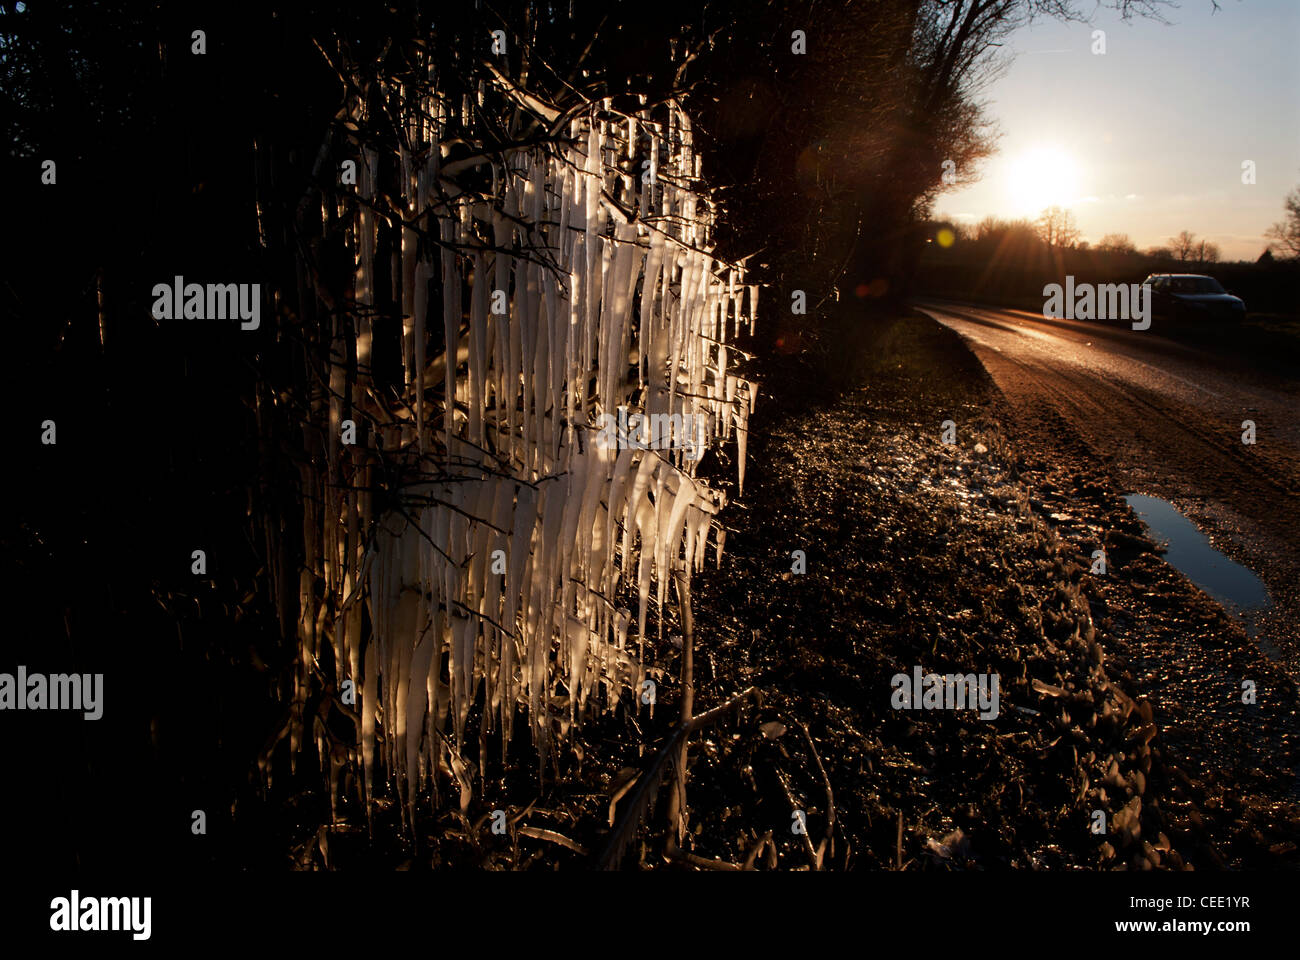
1207	252
1116	243
1057	227
1183	246
1285	234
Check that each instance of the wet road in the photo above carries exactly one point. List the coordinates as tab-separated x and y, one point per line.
1161	418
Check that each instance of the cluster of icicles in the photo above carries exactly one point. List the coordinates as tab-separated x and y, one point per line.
575	288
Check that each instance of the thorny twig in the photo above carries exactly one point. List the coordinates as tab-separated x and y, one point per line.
829	839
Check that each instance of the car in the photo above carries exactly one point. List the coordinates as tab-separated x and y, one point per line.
1191	297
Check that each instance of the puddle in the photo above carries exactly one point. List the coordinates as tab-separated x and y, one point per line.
1189	550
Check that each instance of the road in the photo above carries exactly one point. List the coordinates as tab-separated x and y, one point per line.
1161	418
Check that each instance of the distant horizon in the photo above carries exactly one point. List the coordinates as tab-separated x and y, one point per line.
1086	243
1153	165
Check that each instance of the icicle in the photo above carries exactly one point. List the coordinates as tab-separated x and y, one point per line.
742	443
578	526
478	335
450	327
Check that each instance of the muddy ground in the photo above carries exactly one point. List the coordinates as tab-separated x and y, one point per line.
922	553
1149	414
939	555
1121	739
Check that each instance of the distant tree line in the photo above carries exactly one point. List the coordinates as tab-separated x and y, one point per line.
1010	260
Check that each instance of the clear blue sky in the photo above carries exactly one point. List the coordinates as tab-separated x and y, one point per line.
1149	138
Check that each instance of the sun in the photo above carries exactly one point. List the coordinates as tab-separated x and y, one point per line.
1041	177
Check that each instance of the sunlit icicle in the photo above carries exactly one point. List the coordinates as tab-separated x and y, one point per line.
634	315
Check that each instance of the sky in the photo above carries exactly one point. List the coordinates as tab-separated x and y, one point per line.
1149	138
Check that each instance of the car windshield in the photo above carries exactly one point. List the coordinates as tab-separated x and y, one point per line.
1195	285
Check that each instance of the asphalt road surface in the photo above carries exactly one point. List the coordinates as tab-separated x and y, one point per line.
1162	418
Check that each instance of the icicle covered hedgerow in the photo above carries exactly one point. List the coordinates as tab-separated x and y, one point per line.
546	290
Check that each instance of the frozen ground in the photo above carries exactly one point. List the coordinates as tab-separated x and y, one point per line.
1120	693
1119	708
